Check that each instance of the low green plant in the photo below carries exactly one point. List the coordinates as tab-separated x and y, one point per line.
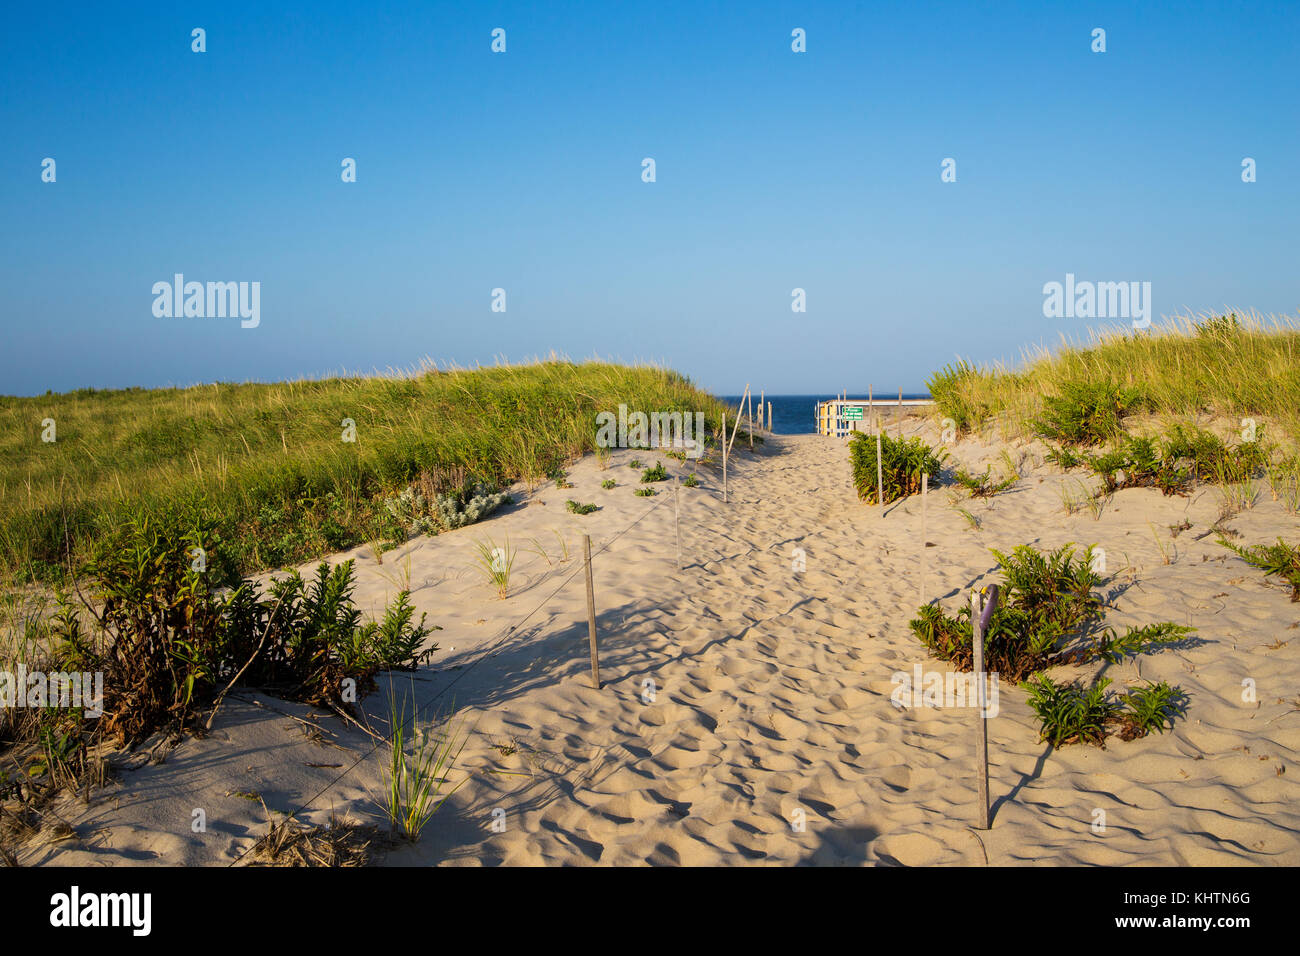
410	511
608	483
1172	462
691	481
1086	413
468	505
634	463
419	764
1114	648
1045	616
972	522
645	492
657	473
171	625
983	486
1153	707
1275	560
1071	713
1010	648
903	461
495	564
577	508
1054	589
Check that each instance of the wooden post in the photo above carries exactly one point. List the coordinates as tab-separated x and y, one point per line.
749	409
880	477
726	445
761	400
769	416
980	615
925	487
871	410
591	613
677	522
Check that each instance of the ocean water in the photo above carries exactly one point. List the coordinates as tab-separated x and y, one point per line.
796	414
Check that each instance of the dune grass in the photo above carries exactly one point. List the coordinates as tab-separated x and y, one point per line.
272	464
1235	366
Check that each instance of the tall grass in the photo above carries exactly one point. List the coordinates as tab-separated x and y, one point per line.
415	780
270	464
1247	365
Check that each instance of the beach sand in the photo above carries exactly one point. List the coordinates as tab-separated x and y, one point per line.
770	702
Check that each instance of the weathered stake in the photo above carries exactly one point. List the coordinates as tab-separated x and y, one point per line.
726	446
978	623
677	522
591	613
925	487
880	477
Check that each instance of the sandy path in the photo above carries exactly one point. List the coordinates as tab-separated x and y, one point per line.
771	690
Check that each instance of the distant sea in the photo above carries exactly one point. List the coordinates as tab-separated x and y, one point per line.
794	414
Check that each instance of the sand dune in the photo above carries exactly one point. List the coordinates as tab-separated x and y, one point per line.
771	689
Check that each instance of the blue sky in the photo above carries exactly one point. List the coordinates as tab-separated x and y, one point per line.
522	171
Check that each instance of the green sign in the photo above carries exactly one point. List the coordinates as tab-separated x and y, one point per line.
851	412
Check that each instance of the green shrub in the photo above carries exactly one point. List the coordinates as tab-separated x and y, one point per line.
1172	462
1113	648
1054	589
578	508
1277	560
904	460
1010	646
177	627
1086	413
1070	713
1045	615
645	492
657	473
983	486
691	480
608	483
1150	708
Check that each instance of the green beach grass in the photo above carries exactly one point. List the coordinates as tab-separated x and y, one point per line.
1240	365
272	465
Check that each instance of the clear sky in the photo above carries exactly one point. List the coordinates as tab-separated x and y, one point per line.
775	170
